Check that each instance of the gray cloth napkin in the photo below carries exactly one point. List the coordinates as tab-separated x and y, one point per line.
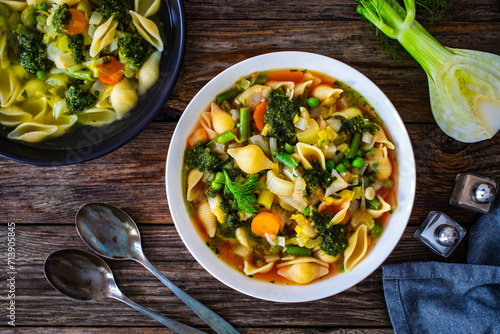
433	297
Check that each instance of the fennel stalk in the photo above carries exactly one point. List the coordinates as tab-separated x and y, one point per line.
464	85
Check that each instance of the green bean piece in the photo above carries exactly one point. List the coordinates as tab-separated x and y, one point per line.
226	96
329	165
340	168
289	148
226	106
43	6
298	251
358	162
223	138
353	149
41	74
388	184
374	204
376	231
285	158
313	102
81	75
245	125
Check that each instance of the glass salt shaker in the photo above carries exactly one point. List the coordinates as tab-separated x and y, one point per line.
474	192
440	233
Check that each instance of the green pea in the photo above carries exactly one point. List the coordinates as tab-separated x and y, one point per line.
329	165
358	162
216	185
313	102
41	74
43	6
376	231
359	153
340	168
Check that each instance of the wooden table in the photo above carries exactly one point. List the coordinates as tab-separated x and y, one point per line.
43	201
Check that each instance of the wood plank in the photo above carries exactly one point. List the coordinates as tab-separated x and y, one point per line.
212	46
132	178
166	251
345	10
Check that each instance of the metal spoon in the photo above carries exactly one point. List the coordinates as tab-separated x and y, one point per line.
84	276
112	233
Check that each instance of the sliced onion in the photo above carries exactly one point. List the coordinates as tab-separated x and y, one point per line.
301	124
260	142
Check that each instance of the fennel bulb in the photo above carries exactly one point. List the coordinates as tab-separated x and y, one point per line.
464	85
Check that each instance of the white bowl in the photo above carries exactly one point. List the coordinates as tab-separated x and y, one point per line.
394	228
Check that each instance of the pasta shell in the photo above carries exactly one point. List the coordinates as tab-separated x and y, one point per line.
358	245
301	88
13	115
9	87
221	120
207	219
123	97
359	217
323	256
36	107
34	86
381	137
196	136
251	159
103	36
302	259
147	8
216	209
206	123
250	269
103	98
16	5
308	153
348	113
68	2
310	135
324	92
279	186
32	132
147	29
379	162
193	178
149	72
294	203
336	185
97	116
303	273
4	57
242	251
252	96
288	86
378	213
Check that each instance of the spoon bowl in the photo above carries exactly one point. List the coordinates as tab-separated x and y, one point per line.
79	275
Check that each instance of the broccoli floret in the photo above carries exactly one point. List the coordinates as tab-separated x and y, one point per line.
75	44
135	50
200	157
115	8
231	223
335	241
279	116
358	124
61	18
32	53
79	100
317	176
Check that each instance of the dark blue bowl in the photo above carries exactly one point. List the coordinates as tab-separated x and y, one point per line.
85	142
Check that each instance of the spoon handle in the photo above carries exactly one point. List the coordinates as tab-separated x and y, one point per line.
172	324
218	324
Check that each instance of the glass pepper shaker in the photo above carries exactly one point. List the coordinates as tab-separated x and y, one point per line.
474	192
440	233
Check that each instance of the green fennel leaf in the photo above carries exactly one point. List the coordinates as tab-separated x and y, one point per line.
244	197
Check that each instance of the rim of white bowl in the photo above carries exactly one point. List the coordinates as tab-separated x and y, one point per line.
395	226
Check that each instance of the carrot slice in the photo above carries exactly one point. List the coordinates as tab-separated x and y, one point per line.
266	222
258	115
77	23
286	75
110	72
